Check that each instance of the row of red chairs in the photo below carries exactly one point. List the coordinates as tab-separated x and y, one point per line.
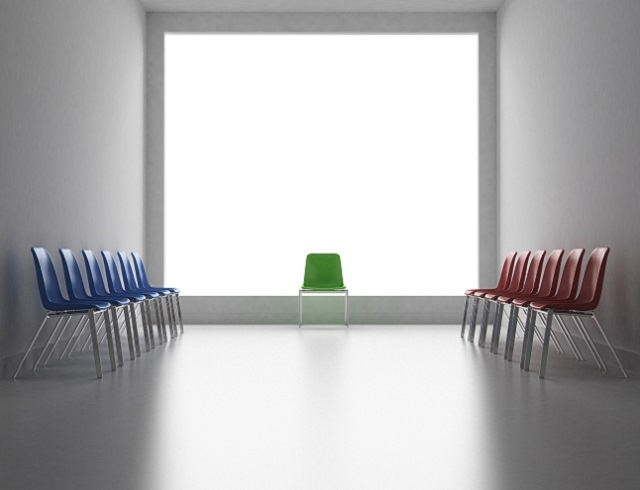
524	285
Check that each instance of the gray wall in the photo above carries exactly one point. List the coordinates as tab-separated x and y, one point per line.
569	98
362	309
71	142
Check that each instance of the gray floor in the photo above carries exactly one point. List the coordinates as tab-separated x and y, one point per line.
320	408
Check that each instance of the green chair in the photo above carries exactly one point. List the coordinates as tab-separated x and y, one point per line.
323	275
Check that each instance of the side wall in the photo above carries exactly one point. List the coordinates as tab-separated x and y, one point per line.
569	148
71	142
362	309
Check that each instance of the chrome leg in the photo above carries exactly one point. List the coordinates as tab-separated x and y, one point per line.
567	335
55	344
116	333
93	335
525	338
53	332
586	340
179	313
147	304
545	345
76	334
107	326
160	318
511	329
483	323
346	309
172	314
132	352
511	335
145	325
495	337
472	321
132	314
529	342
590	343
464	317
610	347
24	357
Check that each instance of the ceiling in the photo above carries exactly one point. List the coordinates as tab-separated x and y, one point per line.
321	5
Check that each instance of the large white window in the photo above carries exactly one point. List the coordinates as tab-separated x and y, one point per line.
281	145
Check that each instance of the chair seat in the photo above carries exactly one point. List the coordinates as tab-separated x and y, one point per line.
564	305
314	288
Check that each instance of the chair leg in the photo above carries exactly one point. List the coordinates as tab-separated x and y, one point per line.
76	333
525	337
134	321
464	317
511	334
529	342
179	313
567	335
107	326
55	344
497	325
610	347
145	325
150	323
116	334
472	321
93	335
160	318
484	323
346	309
545	344
127	320
44	349
511	327
24	357
590	344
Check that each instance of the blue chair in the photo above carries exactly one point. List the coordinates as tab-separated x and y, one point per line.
143	281
99	290
57	305
131	285
76	291
116	286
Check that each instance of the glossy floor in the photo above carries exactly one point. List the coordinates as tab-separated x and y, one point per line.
372	407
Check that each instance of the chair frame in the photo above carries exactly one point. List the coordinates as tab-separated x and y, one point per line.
344	291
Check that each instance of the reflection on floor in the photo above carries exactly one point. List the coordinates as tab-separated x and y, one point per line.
371	407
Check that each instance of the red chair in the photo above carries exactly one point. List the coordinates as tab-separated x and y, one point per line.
515	284
566	291
505	275
548	286
583	305
529	287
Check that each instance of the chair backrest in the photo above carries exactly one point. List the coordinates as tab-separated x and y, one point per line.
549	281
507	269
534	272
141	272
50	293
72	276
517	279
593	277
323	271
94	274
127	272
113	276
570	276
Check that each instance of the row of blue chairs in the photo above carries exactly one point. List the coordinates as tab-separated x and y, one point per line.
124	293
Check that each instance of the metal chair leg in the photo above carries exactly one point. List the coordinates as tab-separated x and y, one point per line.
482	338
24	357
591	346
76	333
55	344
610	347
93	335
179	313
472	321
116	334
131	312
107	325
464	317
132	352
545	345
44	349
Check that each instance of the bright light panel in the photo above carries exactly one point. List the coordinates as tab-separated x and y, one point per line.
277	146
